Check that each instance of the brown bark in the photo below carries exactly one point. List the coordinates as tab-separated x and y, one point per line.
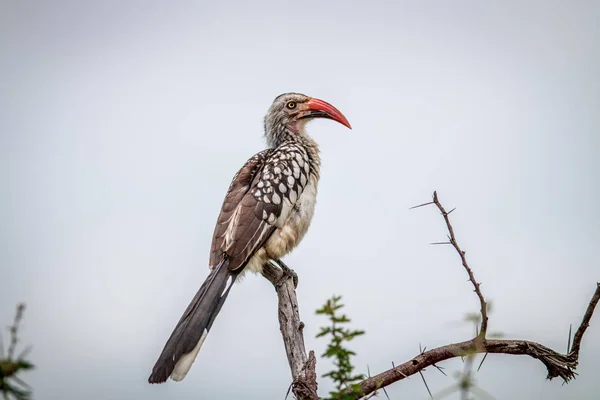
557	364
304	383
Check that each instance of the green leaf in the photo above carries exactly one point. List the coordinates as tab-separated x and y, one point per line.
346	383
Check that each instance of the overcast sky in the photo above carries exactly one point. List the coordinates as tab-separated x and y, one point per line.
123	122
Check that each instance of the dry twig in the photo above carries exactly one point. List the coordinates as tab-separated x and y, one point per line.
463	258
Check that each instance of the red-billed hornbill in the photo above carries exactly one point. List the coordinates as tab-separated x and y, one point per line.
266	212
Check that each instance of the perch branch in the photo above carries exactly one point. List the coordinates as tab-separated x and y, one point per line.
304	383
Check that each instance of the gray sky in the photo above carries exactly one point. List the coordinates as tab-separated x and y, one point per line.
122	123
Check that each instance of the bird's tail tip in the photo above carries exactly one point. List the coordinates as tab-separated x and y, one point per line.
158	376
161	373
187	338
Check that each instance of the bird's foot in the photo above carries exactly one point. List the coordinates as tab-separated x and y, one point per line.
287	273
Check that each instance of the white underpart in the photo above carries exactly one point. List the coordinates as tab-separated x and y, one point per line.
300	220
292	224
286	210
185	362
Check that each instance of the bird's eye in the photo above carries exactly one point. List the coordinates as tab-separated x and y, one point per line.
291	105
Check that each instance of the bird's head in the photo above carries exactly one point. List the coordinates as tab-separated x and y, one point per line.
291	111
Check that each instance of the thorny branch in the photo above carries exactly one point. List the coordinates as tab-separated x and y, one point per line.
463	258
304	385
557	364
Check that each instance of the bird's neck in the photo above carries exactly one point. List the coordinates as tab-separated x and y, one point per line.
282	136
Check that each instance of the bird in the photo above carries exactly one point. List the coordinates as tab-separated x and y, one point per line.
266	212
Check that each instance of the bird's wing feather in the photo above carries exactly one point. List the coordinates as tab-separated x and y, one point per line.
260	199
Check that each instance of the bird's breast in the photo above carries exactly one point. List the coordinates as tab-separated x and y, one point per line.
301	218
286	237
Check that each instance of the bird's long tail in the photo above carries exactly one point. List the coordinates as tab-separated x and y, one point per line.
184	344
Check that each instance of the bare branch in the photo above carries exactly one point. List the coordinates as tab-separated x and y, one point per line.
557	364
585	323
304	385
461	253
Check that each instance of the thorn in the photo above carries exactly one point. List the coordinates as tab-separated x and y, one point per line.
400	372
481	363
421	205
441	243
440	369
569	342
448	213
368	371
288	391
427	387
384	391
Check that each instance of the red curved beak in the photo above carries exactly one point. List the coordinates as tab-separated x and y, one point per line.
319	108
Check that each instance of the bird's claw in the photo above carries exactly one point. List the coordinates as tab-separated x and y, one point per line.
287	273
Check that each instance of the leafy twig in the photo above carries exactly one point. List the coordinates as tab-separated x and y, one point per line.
345	382
9	367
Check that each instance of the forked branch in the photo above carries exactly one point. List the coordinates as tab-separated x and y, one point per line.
463	258
304	385
557	364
